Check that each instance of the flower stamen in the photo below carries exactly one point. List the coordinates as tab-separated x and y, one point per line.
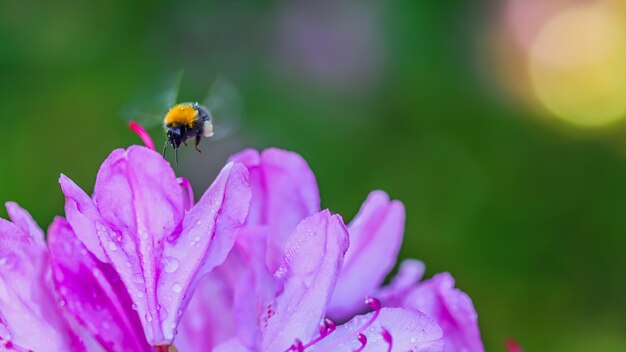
387	338
363	340
145	137
10	346
328	326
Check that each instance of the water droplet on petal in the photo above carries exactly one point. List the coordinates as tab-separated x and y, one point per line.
112	246
177	287
134	306
195	240
148	317
170	264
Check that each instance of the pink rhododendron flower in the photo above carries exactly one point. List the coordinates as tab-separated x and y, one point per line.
30	318
255	265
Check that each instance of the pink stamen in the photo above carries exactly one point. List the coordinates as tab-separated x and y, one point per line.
370	301
145	137
297	346
327	326
184	183
10	346
387	338
363	340
376	306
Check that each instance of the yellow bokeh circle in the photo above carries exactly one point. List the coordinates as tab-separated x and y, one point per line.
577	64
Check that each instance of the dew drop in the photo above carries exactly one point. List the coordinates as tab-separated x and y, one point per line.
170	264
177	287
148	317
112	246
62	302
134	306
163	313
195	241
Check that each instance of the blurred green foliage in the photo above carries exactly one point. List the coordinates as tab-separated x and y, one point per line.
528	216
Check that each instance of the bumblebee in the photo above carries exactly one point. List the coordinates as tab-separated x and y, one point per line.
185	121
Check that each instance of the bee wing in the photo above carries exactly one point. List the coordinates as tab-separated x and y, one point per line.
149	107
226	107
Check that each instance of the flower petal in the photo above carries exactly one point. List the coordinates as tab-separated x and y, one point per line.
375	239
209	319
93	293
314	255
231	346
452	309
409	274
139	198
22	219
29	314
208	234
284	192
82	215
136	191
410	331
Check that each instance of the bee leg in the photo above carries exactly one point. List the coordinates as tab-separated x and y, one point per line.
164	148
198	138
185	143
176	155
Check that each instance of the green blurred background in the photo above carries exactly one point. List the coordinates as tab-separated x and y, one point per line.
512	169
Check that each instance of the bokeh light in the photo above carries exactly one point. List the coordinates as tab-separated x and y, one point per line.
566	58
577	66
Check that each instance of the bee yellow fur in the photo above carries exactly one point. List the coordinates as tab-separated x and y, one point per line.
181	114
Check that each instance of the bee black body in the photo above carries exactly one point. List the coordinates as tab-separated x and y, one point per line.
185	121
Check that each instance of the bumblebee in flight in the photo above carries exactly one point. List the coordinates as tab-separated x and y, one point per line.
184	121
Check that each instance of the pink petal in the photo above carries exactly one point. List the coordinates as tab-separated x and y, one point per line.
255	287
313	258
93	293
208	234
22	219
29	314
452	309
141	203
137	192
284	192
409	274
233	345
82	215
375	239
209	319
410	331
